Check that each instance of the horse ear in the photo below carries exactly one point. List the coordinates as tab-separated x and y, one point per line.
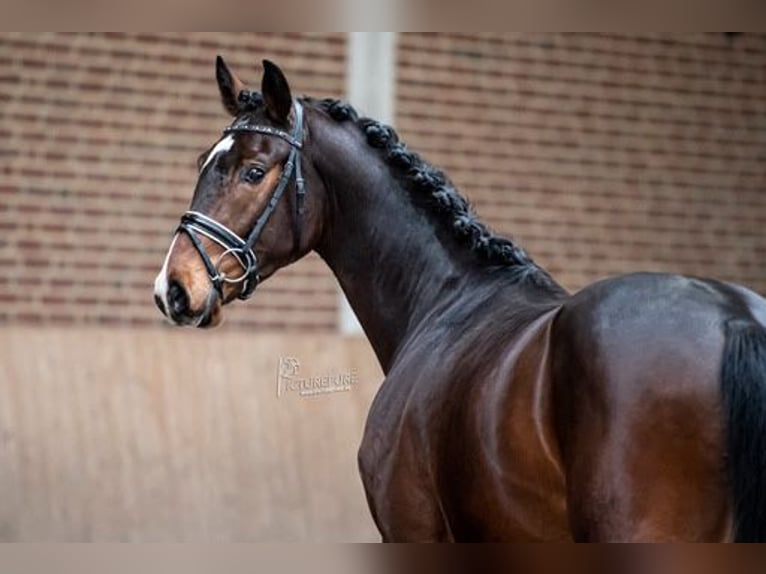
276	93
229	85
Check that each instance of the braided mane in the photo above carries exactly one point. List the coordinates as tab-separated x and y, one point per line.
431	190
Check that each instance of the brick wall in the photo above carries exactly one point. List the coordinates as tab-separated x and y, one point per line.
99	134
600	154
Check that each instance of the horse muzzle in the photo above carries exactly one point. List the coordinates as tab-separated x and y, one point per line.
174	302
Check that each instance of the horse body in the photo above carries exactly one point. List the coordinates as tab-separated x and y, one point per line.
571	416
634	409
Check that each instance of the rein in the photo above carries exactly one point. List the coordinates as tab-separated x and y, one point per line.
194	223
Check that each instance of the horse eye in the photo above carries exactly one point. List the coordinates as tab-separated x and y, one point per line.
253	175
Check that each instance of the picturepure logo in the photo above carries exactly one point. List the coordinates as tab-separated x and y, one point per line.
290	380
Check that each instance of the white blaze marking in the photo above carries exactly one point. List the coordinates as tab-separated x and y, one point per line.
161	282
223	145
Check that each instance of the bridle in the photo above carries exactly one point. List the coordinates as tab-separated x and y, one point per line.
194	223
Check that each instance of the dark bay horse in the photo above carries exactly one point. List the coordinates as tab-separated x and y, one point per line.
511	410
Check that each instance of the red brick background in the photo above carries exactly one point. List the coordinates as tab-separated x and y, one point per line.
99	137
599	153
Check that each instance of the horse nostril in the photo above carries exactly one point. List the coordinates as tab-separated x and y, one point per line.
160	304
178	300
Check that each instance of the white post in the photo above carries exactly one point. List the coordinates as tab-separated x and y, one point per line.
370	88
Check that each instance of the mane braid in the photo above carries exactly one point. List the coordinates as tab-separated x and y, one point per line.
432	190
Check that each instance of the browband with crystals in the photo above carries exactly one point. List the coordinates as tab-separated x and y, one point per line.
243	126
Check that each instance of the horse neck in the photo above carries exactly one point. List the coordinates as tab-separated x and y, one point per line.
389	261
